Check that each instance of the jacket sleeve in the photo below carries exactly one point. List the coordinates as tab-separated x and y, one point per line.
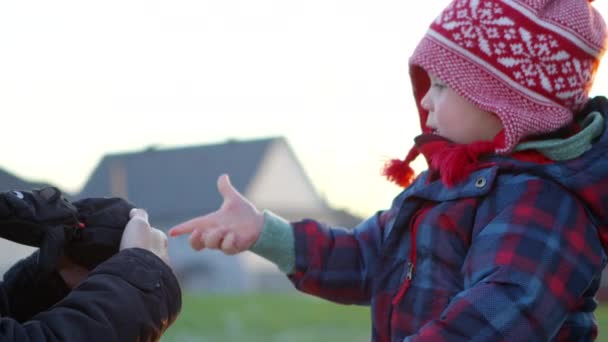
132	296
526	270
336	263
25	291
332	263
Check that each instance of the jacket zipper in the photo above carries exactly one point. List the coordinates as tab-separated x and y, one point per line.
411	264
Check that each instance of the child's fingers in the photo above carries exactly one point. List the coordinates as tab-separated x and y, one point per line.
201	222
229	244
213	238
195	240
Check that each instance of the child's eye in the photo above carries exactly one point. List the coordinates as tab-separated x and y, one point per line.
438	85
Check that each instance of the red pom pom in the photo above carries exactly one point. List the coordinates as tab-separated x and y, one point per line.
453	162
399	172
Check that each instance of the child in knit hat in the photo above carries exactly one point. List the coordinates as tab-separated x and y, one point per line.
504	237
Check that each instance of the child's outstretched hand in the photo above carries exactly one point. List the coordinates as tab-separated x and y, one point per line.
233	228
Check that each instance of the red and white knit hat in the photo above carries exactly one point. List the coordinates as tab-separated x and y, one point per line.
531	62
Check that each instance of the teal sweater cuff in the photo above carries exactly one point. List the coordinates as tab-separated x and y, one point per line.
276	242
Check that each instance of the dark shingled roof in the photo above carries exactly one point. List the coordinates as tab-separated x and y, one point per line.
8	181
161	180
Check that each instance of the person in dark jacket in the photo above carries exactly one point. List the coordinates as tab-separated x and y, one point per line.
504	236
132	296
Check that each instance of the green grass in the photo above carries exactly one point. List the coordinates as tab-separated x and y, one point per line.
602	322
268	317
289	317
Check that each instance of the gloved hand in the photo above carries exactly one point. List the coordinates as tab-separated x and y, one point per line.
104	220
87	231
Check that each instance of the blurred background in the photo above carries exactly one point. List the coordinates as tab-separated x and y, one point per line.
300	102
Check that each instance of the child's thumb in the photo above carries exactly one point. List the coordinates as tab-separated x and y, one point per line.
225	187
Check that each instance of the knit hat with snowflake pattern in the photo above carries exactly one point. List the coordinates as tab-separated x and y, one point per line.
531	62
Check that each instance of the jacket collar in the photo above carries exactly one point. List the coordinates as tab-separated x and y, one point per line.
478	183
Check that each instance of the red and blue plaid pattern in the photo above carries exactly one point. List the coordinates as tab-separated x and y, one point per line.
514	253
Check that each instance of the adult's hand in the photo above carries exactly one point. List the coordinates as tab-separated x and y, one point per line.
139	234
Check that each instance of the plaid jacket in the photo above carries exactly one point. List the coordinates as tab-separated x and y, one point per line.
511	254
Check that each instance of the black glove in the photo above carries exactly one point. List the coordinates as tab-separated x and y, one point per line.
104	220
87	231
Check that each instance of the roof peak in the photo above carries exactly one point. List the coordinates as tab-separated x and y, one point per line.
154	148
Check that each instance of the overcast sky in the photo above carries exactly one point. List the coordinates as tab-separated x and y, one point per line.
79	79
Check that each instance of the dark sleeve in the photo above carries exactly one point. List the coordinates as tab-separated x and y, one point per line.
25	291
133	296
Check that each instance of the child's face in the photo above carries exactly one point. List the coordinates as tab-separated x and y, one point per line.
455	118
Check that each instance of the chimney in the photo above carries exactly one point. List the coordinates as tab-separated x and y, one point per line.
118	179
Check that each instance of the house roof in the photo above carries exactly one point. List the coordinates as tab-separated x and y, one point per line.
163	180
8	181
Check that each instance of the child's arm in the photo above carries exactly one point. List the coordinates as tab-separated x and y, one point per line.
525	272
330	263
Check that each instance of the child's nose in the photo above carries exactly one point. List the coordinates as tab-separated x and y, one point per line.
426	102
427	105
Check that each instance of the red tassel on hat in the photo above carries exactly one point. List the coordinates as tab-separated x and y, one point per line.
400	171
454	162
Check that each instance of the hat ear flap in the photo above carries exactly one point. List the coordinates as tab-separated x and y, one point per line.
421	83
